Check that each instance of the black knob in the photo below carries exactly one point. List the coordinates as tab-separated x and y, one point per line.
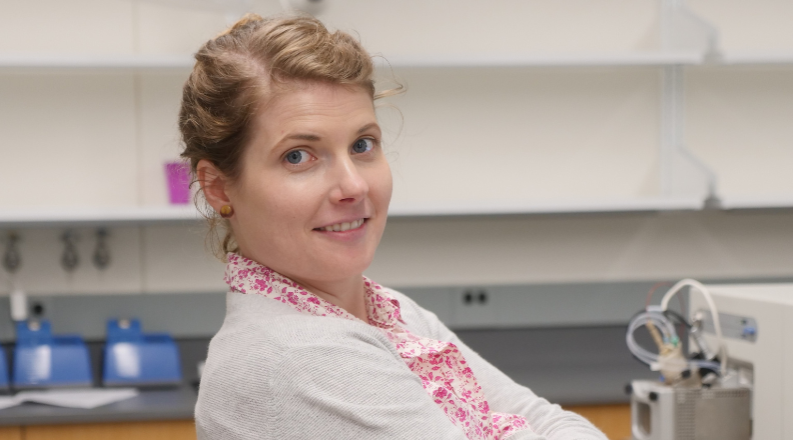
653	396
468	298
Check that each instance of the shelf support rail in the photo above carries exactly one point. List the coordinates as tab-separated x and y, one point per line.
681	171
683	30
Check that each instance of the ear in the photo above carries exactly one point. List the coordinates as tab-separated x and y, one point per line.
213	184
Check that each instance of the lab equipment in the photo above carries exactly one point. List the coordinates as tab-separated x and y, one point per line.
135	358
704	395
43	360
663	412
756	321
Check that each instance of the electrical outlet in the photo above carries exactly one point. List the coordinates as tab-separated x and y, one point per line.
475	307
474	297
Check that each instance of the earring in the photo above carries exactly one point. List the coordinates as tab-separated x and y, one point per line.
226	211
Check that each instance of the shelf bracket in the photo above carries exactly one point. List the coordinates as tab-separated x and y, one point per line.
681	171
683	30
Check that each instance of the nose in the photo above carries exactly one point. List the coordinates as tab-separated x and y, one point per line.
350	186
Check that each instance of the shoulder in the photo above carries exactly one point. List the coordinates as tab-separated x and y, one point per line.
267	352
257	326
418	320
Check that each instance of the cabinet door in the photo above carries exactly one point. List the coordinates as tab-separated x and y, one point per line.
164	430
545	305
613	420
10	433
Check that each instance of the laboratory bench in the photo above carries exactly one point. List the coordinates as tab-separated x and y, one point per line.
168	414
583	368
149	405
155	413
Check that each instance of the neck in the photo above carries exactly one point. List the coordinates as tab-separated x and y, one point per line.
349	294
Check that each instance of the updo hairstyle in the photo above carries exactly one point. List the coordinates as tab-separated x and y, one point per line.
241	69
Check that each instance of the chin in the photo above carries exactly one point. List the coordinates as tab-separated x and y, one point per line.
341	266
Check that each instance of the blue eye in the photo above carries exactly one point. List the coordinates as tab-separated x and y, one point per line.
296	157
363	145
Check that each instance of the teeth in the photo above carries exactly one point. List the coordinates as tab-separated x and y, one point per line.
346	226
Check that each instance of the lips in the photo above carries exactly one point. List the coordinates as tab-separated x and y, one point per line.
343	226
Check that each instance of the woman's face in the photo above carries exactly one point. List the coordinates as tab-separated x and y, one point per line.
312	198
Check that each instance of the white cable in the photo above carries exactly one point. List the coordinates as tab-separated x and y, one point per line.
667	328
713	312
642	319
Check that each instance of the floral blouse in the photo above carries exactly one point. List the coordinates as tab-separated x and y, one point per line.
442	368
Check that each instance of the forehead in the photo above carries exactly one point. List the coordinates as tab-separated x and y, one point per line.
316	103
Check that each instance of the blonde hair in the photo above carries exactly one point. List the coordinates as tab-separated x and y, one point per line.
237	71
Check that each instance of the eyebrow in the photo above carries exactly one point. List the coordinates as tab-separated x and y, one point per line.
301	137
367	127
314	138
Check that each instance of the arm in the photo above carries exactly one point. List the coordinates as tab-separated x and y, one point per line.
354	387
504	395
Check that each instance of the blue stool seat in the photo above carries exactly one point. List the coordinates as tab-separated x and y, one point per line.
134	358
42	360
4	383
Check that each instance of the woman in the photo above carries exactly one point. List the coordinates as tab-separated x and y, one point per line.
279	125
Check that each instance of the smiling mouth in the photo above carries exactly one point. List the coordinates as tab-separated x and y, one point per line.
341	227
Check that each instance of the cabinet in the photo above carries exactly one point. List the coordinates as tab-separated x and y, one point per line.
613	420
10	433
165	430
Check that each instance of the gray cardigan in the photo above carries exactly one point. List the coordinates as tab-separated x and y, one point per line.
276	373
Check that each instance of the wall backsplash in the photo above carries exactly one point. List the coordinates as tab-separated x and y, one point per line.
441	252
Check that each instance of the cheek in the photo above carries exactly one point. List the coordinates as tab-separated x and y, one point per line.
380	184
289	206
272	204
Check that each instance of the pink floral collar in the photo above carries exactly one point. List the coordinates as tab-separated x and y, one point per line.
440	365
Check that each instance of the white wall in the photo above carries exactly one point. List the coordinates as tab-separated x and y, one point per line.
739	122
99	139
586	248
532	134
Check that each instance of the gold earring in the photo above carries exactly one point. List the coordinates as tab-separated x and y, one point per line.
226	211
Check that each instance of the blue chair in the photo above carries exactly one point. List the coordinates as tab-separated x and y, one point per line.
42	360
133	358
4	382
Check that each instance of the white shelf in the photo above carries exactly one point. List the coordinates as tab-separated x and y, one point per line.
616	59
736	203
38	217
27	62
185	62
545	60
562	207
758	59
75	217
96	62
